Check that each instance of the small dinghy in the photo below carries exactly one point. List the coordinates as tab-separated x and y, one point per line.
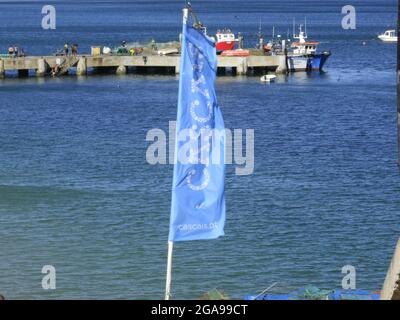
268	78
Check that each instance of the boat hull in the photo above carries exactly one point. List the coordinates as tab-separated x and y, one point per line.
389	40
298	63
318	60
308	62
225	45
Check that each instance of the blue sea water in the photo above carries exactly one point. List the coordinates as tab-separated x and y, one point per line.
77	193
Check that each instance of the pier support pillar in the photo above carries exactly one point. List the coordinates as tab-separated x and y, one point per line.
282	66
81	68
23	73
241	69
121	70
177	68
2	71
41	68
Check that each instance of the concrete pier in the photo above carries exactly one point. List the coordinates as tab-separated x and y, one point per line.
150	63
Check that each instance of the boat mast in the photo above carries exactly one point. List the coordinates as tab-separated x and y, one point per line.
294	26
305	27
260	36
260	30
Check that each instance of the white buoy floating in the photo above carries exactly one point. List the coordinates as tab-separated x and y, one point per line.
268	78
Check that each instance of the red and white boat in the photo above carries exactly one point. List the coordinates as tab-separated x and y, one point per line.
225	40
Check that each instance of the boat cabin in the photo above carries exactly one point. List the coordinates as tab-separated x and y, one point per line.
390	33
225	35
302	46
305	47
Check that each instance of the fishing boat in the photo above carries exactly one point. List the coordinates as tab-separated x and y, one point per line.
304	55
225	40
388	36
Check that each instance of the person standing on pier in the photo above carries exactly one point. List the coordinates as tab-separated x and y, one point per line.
66	49
11	51
74	49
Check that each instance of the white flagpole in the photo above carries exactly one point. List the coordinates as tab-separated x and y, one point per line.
169	271
171	243
185	14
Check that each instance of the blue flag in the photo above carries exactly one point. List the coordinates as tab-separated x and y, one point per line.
198	195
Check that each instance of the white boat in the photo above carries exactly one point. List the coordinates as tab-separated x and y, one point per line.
304	55
268	78
388	36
